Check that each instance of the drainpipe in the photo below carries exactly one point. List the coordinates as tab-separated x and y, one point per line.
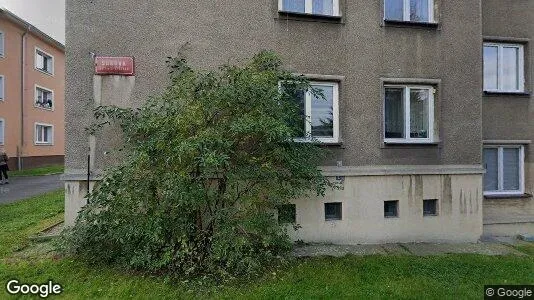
23	84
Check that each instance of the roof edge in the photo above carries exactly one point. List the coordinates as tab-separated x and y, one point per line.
31	28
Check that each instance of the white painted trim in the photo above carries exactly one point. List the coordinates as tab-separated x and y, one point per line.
521	168
37	49
36	86
407	115
3	96
500	68
37	143
507	142
3	130
308	7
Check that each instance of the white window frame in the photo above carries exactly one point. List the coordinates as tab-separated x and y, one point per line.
406	12
3	83
37	87
308	8
407	116
37	49
39	143
500	170
500	69
3	43
335	109
3	130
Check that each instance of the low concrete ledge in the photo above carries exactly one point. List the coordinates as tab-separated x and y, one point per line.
403	170
81	175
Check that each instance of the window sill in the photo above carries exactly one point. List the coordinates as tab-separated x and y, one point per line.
44	72
44	108
498	93
411	143
309	17
396	23
507	196
44	144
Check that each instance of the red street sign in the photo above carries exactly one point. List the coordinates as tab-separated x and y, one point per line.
114	66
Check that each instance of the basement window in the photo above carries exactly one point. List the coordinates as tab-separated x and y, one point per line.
391	209
430	207
287	214
332	211
310	7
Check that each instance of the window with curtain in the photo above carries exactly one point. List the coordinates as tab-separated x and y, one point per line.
43	134
408	114
409	10
503	67
44	98
1	44
504	168
315	7
2	85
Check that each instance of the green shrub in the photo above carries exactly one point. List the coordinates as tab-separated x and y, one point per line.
207	163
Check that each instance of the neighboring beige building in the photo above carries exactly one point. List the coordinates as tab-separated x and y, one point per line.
430	103
32	84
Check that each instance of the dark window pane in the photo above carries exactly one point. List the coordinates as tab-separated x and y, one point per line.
332	211
294	5
491	163
391	209
430	207
394	118
287	213
394	10
322	112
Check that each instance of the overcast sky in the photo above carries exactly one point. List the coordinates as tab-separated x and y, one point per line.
47	15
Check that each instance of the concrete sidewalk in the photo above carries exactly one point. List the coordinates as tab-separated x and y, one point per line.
20	188
417	249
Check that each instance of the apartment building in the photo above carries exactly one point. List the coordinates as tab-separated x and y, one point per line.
32	83
428	103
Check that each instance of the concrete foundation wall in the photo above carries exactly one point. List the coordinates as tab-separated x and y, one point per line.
459	216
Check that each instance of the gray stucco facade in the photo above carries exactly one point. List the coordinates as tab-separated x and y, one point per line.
363	53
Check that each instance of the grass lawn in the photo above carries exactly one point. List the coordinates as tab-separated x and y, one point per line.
47	170
437	277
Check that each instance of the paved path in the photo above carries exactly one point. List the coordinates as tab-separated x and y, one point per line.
20	188
418	249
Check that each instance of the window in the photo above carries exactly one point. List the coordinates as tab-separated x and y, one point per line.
2	87
2	131
320	114
44	134
44	98
287	213
409	114
504	170
391	209
332	211
409	10
315	7
44	62
1	44
503	68
430	207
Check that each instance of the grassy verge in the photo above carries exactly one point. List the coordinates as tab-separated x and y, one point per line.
405	277
47	170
